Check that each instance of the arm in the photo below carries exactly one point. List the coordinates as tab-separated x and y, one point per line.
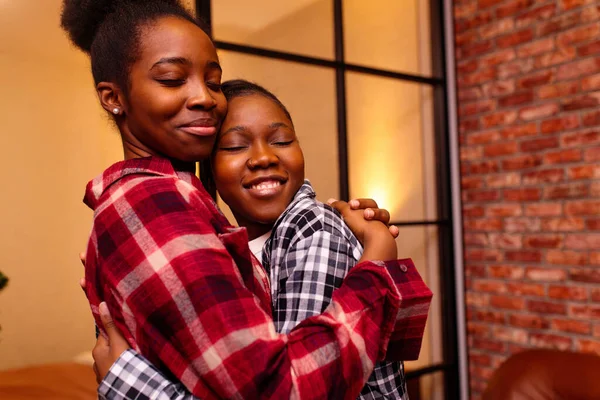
181	301
309	271
405	343
133	377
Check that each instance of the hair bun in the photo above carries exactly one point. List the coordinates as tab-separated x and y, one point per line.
81	19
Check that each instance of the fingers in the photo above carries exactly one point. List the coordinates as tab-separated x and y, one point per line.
99	352
361	204
339	205
116	339
82	283
107	321
372	211
377	214
82	256
394	231
97	373
100	347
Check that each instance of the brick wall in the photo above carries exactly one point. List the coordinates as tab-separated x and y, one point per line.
528	75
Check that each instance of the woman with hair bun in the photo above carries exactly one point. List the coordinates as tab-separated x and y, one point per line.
177	278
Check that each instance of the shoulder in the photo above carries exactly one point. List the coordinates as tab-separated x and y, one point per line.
308	216
139	190
137	176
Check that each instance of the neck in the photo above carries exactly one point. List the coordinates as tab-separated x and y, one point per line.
255	229
132	148
135	149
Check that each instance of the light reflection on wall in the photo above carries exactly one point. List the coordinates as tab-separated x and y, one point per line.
385	144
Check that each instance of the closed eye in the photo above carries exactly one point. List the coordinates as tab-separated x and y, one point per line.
232	148
171	82
214	86
284	143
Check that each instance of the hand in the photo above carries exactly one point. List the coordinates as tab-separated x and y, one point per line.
379	244
107	351
82	280
371	212
374	213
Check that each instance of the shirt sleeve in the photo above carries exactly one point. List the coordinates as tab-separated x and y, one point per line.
314	266
178	297
133	377
309	271
407	336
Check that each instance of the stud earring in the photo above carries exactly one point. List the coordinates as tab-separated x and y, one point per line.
116	111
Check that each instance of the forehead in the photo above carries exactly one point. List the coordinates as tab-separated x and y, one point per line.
175	37
254	108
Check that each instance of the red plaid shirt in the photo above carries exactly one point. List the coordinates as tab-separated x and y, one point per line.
186	292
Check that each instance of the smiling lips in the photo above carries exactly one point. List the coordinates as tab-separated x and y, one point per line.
201	127
266	188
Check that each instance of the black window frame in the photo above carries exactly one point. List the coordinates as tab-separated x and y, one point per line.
444	221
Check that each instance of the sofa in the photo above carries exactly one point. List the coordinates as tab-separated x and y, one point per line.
546	375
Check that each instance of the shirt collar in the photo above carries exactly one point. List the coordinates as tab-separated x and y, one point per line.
306	191
148	166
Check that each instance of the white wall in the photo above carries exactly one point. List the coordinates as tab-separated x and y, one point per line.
54	138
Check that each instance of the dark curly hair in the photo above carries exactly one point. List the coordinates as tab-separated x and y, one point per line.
109	31
240	87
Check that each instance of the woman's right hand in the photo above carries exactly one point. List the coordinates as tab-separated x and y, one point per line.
107	351
378	242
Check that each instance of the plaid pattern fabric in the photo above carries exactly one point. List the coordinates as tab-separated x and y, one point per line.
133	377
187	294
308	255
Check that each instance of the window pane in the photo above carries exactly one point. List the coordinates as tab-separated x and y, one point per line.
421	244
391	145
308	92
300	26
388	34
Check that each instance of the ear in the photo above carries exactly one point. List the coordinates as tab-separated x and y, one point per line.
111	97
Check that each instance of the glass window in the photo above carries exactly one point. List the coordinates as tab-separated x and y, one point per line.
388	34
299	26
390	145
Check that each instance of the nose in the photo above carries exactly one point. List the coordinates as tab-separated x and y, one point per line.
201	97
262	156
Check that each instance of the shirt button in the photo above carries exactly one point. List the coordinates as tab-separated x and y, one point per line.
403	268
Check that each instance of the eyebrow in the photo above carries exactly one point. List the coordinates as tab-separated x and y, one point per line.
172	60
276	125
241	128
215	65
185	61
237	128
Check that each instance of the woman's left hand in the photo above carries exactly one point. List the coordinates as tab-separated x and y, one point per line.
371	212
107	351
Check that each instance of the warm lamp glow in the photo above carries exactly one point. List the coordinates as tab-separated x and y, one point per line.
387	195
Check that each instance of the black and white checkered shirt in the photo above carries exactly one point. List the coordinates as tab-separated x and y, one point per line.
308	254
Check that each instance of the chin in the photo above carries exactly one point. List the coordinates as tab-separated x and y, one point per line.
193	156
266	219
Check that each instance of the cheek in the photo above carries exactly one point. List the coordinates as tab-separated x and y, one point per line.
157	107
227	171
296	164
221	106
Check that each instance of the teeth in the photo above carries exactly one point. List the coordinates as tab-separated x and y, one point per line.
266	185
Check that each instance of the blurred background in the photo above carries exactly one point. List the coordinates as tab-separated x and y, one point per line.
475	123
